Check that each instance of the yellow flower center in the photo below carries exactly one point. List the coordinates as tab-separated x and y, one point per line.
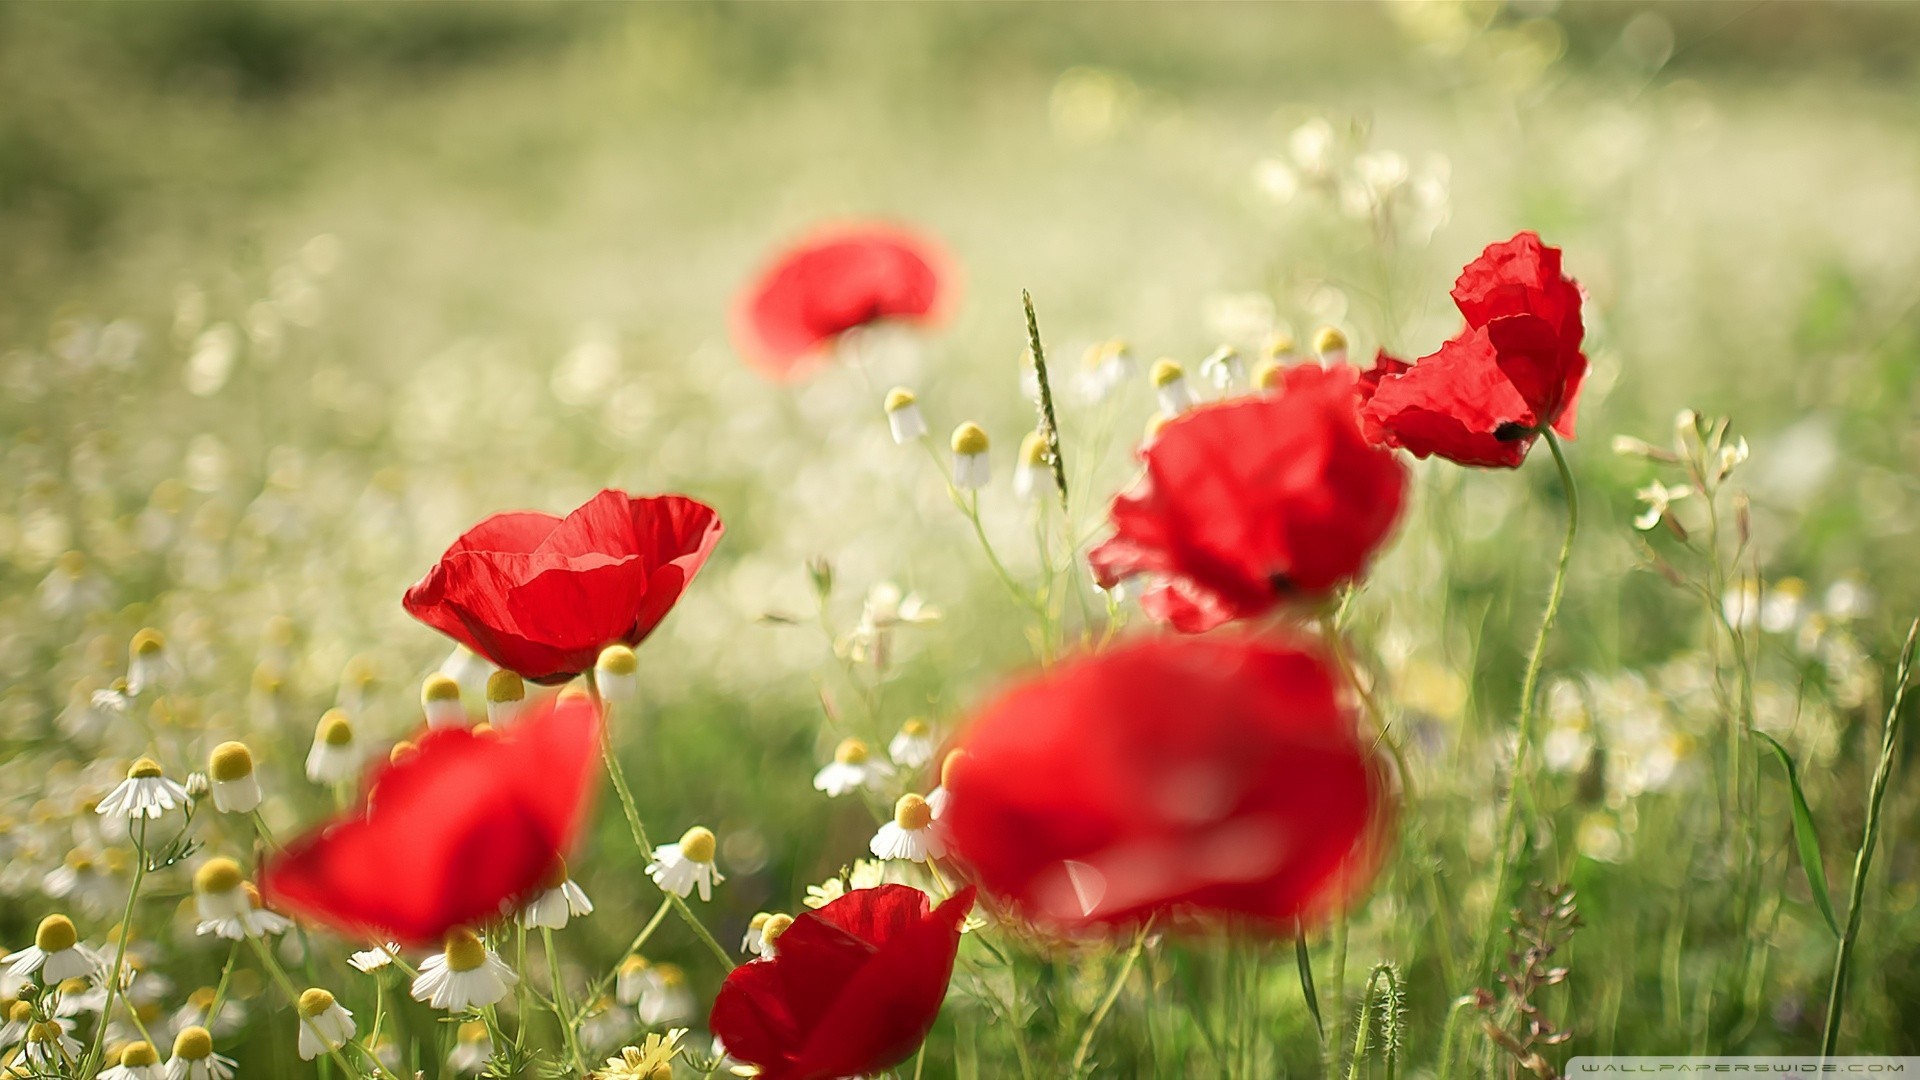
1033	449
439	688
851	752
148	643
969	439
617	660
193	1044
1279	344
139	1055
215	876
56	934
144	769
400	749
633	965
230	761
1328	339
899	398
912	813
776	925
464	951
1167	372
335	729
79	861
473	1031
315	1002
504	686
671	975
202	998
45	1031
698	844
1266	375
915	726
21	1012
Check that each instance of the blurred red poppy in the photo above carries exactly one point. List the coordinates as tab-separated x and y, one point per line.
837	279
541	595
1218	774
1250	502
850	990
1514	371
453	833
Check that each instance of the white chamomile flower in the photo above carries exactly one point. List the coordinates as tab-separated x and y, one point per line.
194	1059
1032	473
229	906
114	700
914	745
145	793
1224	368
617	673
368	961
750	941
679	868
1170	386
56	954
1330	345
853	767
138	1061
559	901
632	978
336	756
20	1018
147	664
463	975
911	834
1279	349
667	998
972	469
652	1058
325	1024
49	1045
1104	367
440	701
235	788
903	416
770	932
1659	498
506	695
472	1048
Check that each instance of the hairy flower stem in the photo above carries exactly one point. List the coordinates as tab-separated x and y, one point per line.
1112	995
639	833
1519	780
1863	861
94	1052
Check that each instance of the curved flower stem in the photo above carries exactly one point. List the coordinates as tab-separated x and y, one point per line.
1863	861
1518	782
279	976
1106	1001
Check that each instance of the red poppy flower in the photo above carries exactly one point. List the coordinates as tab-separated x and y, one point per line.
1221	774
851	989
1250	502
541	595
1515	370
455	832
831	282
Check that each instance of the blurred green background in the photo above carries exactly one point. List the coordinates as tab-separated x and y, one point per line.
290	294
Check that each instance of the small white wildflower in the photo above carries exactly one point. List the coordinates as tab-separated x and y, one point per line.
235	788
903	416
853	767
440	701
560	901
682	867
913	746
911	835
971	467
1170	385
1659	499
145	793
617	673
325	1024
464	975
335	757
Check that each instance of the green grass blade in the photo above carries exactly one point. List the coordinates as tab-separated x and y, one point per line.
1805	838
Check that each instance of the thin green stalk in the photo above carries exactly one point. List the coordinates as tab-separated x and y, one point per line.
1863	862
1112	995
94	1053
639	831
1529	685
562	1004
280	979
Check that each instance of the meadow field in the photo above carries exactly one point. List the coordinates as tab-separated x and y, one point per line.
293	295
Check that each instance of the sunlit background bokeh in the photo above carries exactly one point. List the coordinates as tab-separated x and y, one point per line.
290	295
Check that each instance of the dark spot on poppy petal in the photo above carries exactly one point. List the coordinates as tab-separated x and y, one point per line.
1281	584
1511	431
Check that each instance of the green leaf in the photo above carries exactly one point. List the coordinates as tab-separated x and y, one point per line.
1805	837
